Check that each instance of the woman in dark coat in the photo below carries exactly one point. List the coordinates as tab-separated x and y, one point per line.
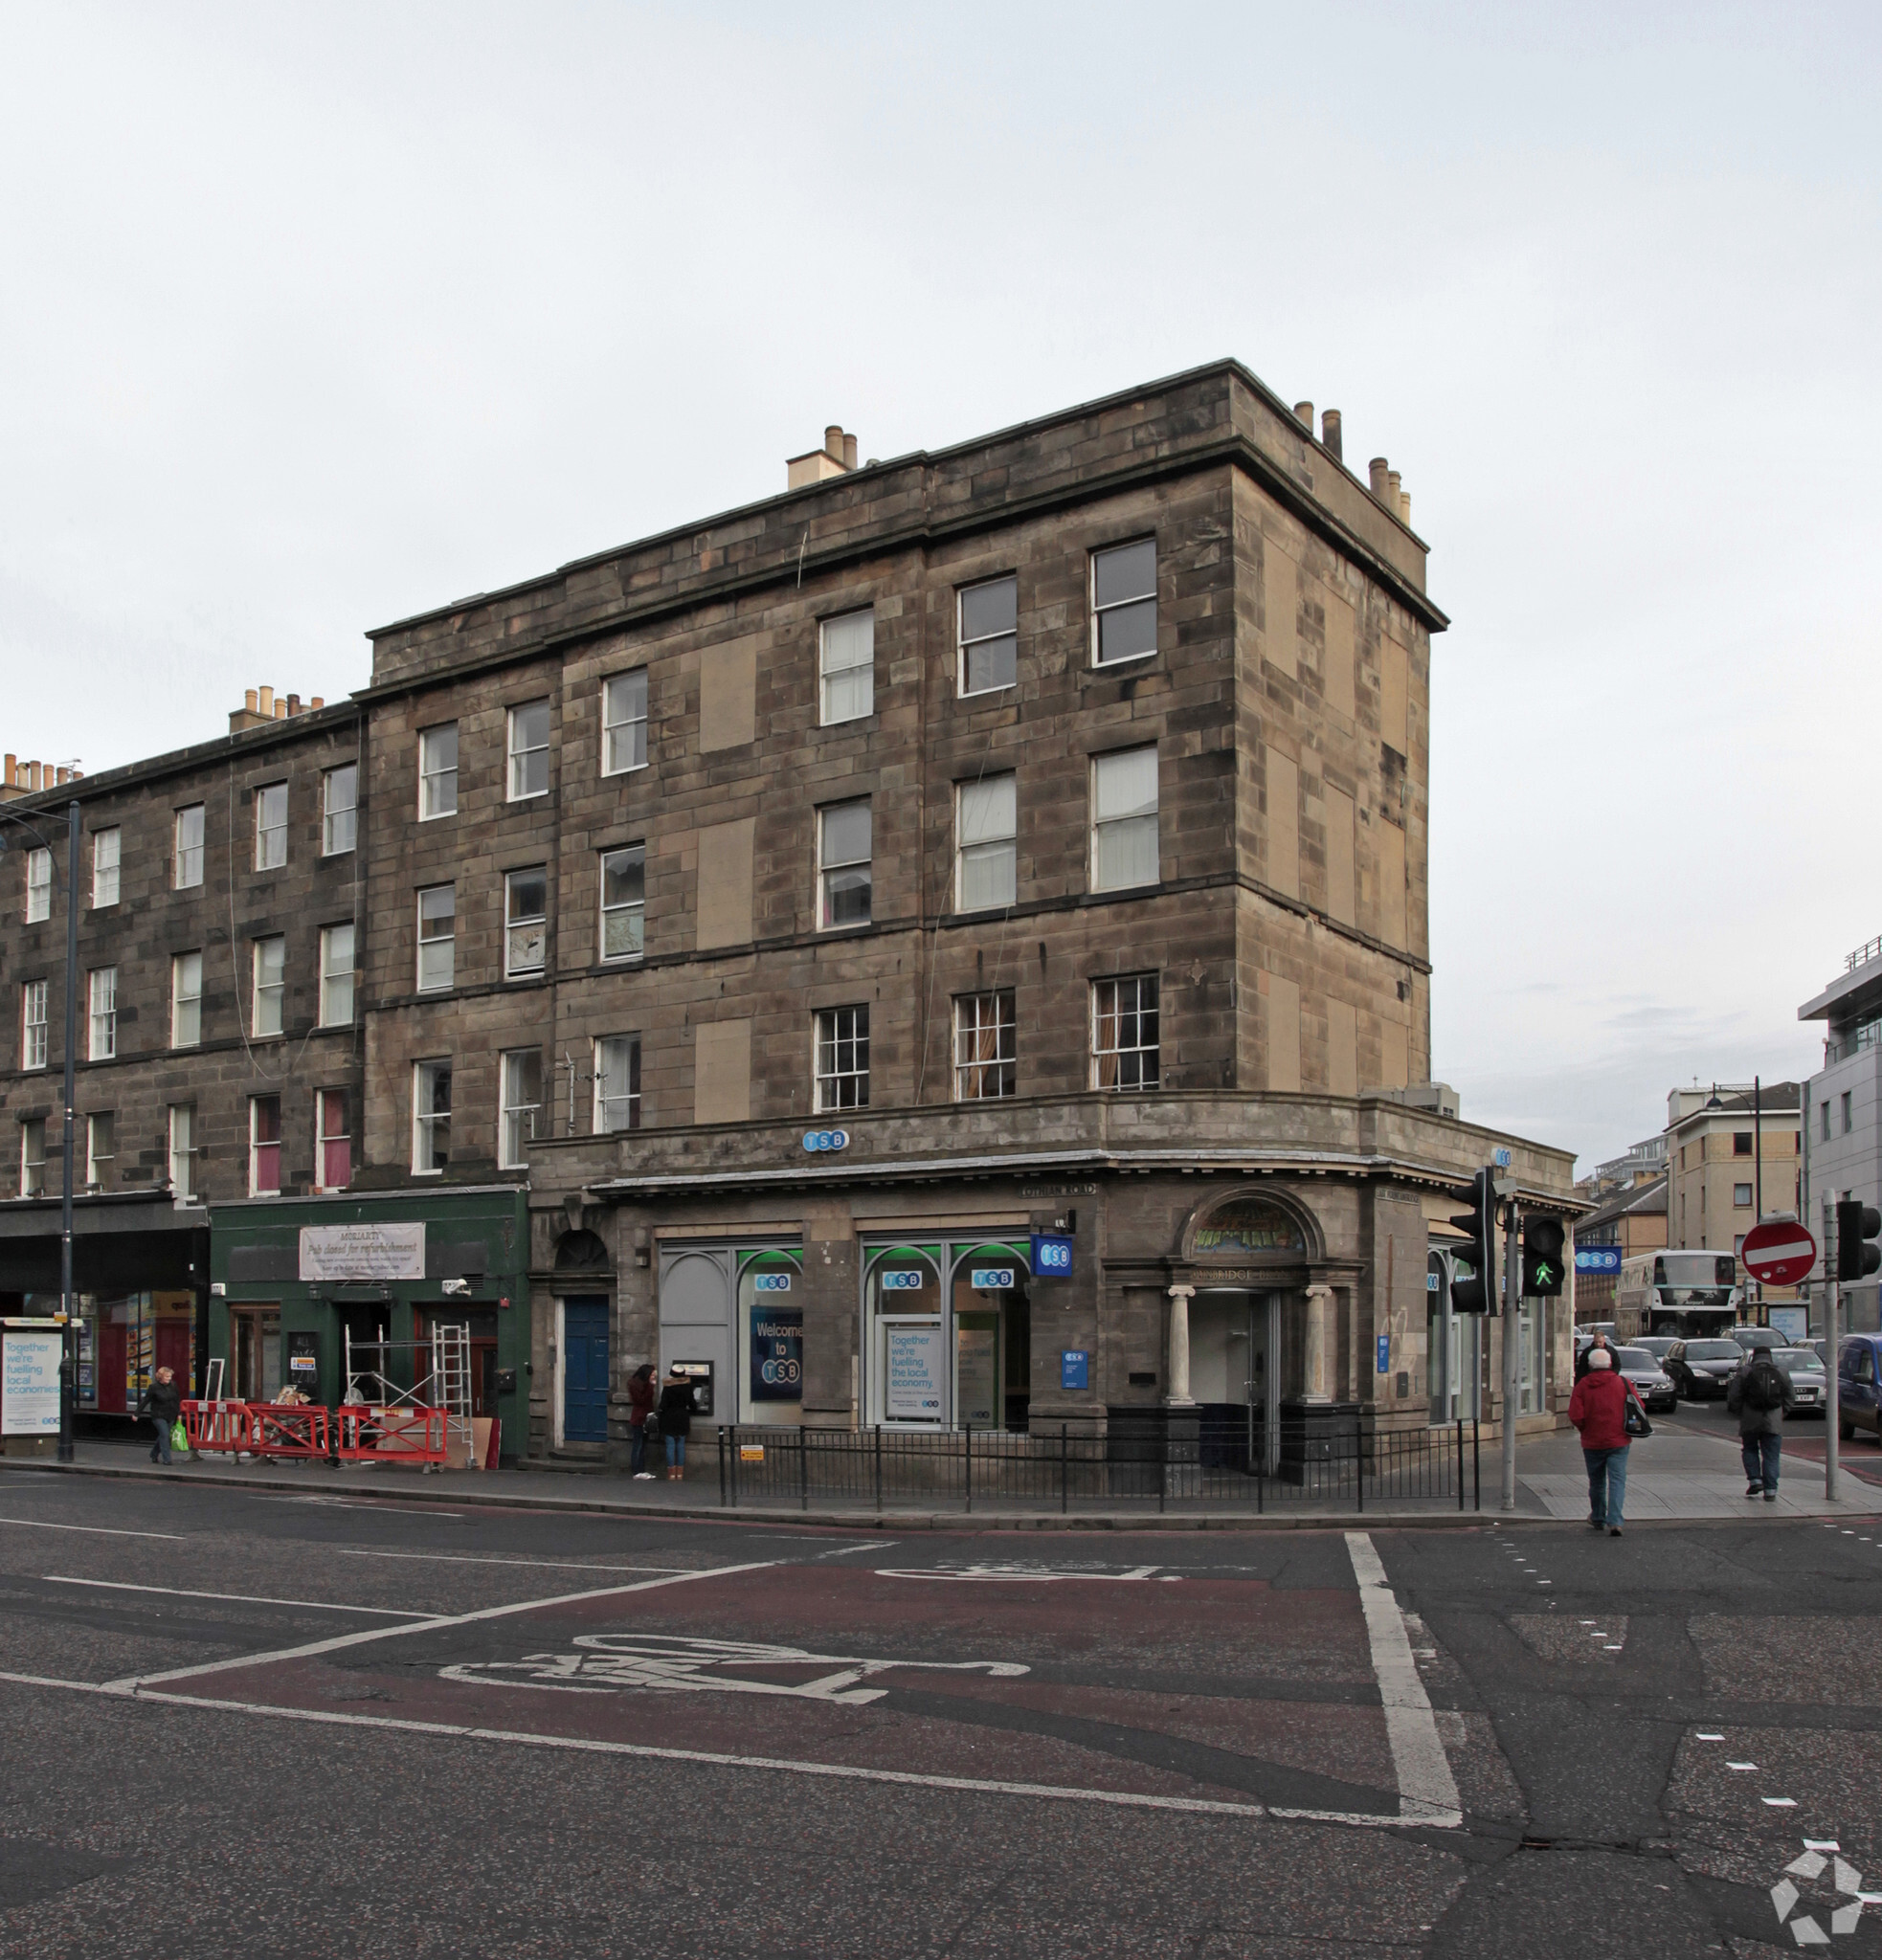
676	1422
641	1395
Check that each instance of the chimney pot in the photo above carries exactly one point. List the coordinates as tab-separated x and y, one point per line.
1330	432
1304	413
248	701
280	708
1393	491
33	776
293	704
833	441
849	452
64	775
1404	508
315	705
266	703
1376	471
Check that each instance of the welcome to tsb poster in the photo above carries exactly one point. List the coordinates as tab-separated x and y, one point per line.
777	1354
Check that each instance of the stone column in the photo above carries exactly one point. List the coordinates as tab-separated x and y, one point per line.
1176	1376
1316	1369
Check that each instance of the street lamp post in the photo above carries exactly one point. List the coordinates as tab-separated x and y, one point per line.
68	1365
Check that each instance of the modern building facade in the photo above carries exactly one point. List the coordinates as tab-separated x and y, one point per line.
1842	1120
807	906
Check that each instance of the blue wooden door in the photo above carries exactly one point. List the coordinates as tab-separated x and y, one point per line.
585	1371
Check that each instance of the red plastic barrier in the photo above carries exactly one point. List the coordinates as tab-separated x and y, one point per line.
288	1429
391	1436
216	1425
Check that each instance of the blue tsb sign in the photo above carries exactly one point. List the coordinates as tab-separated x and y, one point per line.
1597	1259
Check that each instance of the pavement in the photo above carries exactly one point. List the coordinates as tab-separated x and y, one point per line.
1689	1469
311	1722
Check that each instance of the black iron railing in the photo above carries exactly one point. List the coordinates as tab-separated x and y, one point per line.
1197	1464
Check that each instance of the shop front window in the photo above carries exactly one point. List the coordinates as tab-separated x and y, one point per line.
992	1337
952	1353
771	1336
909	1376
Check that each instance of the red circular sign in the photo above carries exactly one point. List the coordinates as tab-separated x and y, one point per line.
1779	1252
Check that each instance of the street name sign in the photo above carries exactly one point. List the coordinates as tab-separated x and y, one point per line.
1779	1252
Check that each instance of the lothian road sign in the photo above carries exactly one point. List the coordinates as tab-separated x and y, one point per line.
1778	1252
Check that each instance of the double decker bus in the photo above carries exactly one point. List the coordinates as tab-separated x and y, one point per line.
1691	1295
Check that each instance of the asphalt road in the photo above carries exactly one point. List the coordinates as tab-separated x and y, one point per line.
256	1724
1861	1455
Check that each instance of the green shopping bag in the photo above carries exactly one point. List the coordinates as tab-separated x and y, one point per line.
179	1437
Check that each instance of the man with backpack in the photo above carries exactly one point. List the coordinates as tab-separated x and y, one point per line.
1758	1395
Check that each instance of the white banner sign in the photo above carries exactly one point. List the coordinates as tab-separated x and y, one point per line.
361	1251
28	1383
914	1356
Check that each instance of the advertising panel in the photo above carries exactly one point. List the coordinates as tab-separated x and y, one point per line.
361	1251
29	1382
914	1358
778	1352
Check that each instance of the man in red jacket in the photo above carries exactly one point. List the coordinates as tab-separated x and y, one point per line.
1598	1410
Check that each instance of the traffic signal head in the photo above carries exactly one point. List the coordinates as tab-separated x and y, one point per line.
1476	1292
1543	1239
1857	1254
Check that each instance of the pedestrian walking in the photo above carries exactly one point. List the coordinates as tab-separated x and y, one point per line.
1759	1394
162	1402
1598	1410
676	1422
642	1392
1597	1344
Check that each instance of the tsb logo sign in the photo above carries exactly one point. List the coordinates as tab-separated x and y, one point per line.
1052	1257
826	1140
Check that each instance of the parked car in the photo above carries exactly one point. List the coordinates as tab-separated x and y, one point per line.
1701	1368
1805	1369
1749	1338
1858	1381
1650	1381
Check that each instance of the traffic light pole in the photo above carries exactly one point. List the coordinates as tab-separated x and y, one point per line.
1512	1359
1832	1418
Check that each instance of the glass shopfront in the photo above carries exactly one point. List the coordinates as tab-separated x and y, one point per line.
948	1334
123	1340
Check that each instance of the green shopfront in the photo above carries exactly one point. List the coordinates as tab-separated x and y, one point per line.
299	1285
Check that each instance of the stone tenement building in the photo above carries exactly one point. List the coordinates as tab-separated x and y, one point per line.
807	905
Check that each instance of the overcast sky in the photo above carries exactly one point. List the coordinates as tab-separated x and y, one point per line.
314	317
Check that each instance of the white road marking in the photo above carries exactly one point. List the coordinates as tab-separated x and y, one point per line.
1709	1735
1741	1766
237	1598
1121	1799
867	1544
1427	1790
1779	1803
351	1503
1005	1574
134	1682
473	1558
96	1531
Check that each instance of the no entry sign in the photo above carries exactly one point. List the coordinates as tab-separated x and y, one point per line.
1778	1252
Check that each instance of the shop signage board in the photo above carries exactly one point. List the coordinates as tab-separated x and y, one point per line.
29	1382
770	1282
777	1354
1074	1368
1597	1259
991	1279
914	1359
361	1251
1052	1254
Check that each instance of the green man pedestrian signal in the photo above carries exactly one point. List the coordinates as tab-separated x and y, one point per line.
1475	1292
1543	1239
1857	1254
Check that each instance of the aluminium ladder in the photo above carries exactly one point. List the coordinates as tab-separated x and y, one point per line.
451	1364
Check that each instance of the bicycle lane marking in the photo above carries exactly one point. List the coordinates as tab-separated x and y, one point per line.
1427	1790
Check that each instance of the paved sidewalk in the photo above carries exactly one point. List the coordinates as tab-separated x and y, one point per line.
1677	1473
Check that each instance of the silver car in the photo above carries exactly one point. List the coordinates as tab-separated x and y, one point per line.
1805	1369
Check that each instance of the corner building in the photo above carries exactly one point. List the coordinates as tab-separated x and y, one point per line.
814	902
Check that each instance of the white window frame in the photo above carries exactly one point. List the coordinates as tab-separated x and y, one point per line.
100	1129
107	867
835	1040
185	1000
447	940
257	1143
33	1169
515	922
973	1065
1134	598
102	1001
964	643
425	1162
268	976
622	726
336	975
1124	827
516	1130
436	780
34	1039
38	886
632	910
186	858
338	833
270	839
520	758
827	867
1116	982
606	1093
980	846
836	693
1742	1203
180	1149
324	1099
